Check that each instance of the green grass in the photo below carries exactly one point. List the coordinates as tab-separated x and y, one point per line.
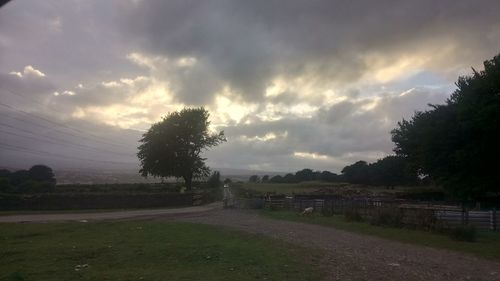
329	187
82	211
487	244
286	188
146	251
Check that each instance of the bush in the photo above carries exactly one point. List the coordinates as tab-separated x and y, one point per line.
327	212
352	215
214	180
272	207
426	220
465	233
5	185
388	217
251	203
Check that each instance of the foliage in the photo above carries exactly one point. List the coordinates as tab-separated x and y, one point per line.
455	143
265	178
39	178
276	179
328	176
356	173
214	180
289	178
305	175
5	185
389	171
79	201
173	146
467	233
42	173
423	193
254	178
392	217
352	215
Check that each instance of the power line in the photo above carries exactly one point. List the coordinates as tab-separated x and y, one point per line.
55	141
17	94
51	154
96	138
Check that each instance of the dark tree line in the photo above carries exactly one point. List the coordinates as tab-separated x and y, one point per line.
389	171
38	178
454	144
457	143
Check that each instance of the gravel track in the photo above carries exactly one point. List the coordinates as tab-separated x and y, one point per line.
349	256
344	255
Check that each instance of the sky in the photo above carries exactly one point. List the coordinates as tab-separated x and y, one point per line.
293	84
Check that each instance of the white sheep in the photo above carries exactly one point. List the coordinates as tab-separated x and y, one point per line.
308	211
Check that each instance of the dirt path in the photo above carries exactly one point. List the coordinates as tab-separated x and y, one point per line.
345	255
349	256
110	215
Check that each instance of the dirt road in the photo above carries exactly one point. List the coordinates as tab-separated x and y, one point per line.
108	215
349	256
344	255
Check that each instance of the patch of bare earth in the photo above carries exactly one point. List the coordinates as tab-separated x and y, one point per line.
349	256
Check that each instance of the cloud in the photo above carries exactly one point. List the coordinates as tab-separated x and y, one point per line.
306	83
333	137
245	46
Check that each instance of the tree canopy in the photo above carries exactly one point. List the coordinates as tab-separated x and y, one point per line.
173	146
391	170
456	143
39	178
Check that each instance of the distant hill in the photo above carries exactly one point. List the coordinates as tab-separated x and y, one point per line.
95	176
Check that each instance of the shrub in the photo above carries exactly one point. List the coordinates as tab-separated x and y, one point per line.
465	233
214	180
5	185
273	207
426	220
327	212
388	217
252	203
352	215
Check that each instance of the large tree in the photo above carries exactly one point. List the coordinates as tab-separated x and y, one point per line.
392	170
457	143
42	173
356	173
173	146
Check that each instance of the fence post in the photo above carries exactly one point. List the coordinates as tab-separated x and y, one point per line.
493	219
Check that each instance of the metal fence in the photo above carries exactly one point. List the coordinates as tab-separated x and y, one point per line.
412	212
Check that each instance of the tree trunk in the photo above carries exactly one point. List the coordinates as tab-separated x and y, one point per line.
189	181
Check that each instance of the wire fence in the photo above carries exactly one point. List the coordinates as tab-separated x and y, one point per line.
411	213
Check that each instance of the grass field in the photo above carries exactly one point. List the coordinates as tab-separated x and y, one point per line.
146	251
286	188
331	187
487	245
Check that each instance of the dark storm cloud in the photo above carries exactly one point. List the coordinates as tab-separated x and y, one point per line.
310	46
342	133
247	43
